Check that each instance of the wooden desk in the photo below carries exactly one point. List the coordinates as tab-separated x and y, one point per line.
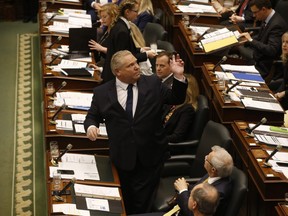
172	16
225	112
64	137
264	191
282	209
108	177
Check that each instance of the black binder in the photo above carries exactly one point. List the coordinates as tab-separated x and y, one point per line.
76	72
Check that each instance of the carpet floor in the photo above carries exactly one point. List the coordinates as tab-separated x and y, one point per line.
9	131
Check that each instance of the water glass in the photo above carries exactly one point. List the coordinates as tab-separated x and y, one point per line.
186	19
54	149
50	88
221	82
56	180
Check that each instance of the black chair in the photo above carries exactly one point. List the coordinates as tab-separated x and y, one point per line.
189	166
158	14
199	122
153	32
281	8
239	191
165	45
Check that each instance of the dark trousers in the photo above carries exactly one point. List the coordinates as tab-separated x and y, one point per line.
139	186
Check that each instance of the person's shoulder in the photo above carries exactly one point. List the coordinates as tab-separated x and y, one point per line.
105	86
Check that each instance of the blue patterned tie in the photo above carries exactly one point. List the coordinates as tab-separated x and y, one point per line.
129	102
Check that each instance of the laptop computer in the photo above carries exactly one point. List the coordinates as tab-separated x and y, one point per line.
78	41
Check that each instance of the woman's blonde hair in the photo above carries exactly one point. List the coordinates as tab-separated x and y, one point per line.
284	56
192	92
146	5
112	10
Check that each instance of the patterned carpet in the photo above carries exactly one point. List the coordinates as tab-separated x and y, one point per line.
28	137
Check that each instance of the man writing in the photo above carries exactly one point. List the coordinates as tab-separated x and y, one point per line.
219	165
137	140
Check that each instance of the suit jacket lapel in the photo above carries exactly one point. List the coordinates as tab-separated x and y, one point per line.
112	93
142	91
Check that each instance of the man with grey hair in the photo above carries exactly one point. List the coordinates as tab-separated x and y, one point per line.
218	164
131	106
203	200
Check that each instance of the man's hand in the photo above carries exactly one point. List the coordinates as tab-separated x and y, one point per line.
280	95
235	19
180	184
177	67
246	35
92	133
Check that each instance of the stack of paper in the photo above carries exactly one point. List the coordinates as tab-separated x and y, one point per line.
74	100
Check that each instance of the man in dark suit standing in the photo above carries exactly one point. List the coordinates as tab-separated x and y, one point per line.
219	165
265	47
137	139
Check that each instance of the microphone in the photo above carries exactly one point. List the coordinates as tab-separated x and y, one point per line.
250	130
195	18
60	193
52	2
52	17
224	58
233	86
57	56
266	162
63	84
52	121
201	36
55	41
55	161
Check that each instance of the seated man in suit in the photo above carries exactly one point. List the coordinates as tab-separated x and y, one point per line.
163	70
219	165
265	47
203	200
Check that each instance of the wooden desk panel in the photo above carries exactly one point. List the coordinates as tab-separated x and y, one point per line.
264	192
225	112
103	164
282	209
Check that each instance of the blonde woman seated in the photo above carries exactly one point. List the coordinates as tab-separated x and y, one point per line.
179	119
107	13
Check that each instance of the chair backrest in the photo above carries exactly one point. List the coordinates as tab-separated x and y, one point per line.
153	32
214	134
281	8
201	118
158	14
239	190
165	45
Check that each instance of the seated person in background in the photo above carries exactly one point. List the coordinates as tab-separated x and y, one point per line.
121	39
203	200
107	13
265	47
178	120
282	92
145	14
163	70
242	16
226	8
219	165
93	6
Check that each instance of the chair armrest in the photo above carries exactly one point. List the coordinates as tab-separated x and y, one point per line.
186	143
185	157
192	180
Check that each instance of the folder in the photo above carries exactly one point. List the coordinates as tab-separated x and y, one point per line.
248	76
76	72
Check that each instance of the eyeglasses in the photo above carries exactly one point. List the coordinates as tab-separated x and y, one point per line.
208	161
255	12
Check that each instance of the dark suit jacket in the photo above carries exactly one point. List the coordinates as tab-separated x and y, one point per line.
224	188
144	139
120	39
179	124
267	45
284	87
143	19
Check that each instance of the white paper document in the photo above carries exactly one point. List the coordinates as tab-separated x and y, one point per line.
240	68
97	204
272	140
64	125
79	128
69	209
74	100
97	191
261	105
